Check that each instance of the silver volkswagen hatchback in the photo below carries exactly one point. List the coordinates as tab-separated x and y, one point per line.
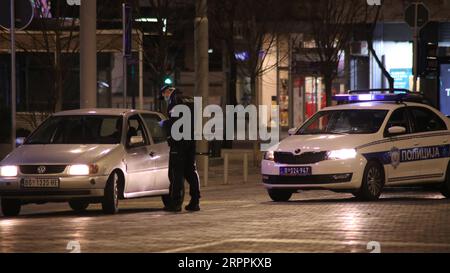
88	156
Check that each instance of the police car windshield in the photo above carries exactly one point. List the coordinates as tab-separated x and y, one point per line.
344	122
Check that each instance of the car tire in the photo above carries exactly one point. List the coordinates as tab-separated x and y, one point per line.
278	195
110	203
445	189
11	207
78	205
372	183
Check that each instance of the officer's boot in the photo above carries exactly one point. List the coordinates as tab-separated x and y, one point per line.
194	205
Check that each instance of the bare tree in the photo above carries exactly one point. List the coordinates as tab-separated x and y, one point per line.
371	19
52	35
162	34
251	27
53	42
332	23
223	21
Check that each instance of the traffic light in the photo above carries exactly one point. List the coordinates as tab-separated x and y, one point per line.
168	80
432	64
428	49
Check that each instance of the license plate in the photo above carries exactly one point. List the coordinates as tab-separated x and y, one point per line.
295	171
40	183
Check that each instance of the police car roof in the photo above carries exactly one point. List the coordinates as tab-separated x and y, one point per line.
374	105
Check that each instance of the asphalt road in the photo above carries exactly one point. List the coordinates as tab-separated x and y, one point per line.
240	218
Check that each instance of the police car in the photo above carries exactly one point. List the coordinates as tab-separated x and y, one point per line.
371	141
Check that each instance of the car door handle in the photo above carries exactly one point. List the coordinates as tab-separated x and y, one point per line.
152	154
416	144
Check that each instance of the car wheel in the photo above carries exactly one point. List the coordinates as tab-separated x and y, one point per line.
278	195
372	183
110	204
445	189
78	206
11	207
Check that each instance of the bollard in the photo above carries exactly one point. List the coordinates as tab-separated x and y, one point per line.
225	168
245	168
205	171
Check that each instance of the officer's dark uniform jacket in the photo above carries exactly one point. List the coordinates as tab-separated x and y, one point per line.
182	154
177	99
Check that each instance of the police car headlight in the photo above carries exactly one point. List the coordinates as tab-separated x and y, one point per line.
342	154
270	155
9	171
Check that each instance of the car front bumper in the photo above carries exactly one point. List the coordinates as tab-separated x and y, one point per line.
69	188
328	174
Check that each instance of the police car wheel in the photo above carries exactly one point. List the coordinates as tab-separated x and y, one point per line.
11	207
373	182
278	195
445	190
110	203
78	206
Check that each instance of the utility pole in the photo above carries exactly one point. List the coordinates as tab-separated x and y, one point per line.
416	45
141	71
88	54
202	74
13	74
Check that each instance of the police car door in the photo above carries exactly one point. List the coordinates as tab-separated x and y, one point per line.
433	152
400	170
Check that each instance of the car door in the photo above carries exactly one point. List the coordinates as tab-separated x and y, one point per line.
140	163
401	170
432	134
160	150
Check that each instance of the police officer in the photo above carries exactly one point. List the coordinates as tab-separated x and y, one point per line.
182	158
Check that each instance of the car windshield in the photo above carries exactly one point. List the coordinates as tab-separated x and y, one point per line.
88	129
344	122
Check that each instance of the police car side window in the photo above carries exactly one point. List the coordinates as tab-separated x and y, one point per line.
399	118
426	120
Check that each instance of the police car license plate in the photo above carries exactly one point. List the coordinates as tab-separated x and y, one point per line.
295	171
40	183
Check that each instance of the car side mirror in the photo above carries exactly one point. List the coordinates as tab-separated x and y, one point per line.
396	130
20	141
136	140
292	131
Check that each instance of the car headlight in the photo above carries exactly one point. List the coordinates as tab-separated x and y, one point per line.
9	171
270	155
342	154
82	169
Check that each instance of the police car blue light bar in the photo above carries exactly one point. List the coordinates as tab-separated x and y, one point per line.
368	97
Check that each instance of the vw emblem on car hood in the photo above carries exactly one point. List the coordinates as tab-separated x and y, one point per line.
298	151
41	169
